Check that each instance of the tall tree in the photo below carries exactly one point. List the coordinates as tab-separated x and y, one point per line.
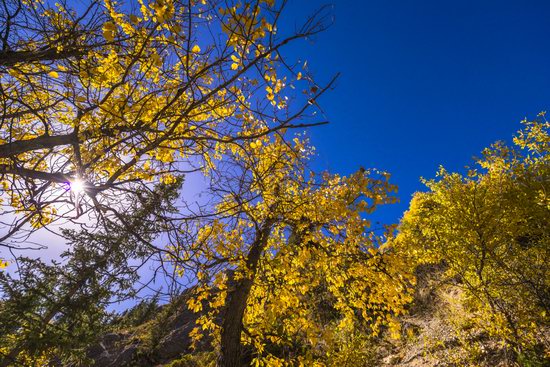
282	235
104	97
103	100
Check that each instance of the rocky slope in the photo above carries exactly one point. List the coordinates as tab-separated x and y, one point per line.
430	337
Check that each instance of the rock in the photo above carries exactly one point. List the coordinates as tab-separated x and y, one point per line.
174	344
111	350
126	356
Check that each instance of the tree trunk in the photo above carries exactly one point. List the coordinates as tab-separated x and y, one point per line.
232	326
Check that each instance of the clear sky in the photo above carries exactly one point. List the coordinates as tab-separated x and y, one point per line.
424	83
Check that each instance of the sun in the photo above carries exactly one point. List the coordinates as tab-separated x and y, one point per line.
77	186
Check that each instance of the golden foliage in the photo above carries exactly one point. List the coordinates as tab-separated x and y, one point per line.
315	241
491	229
119	96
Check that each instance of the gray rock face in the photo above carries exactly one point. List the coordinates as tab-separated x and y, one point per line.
112	351
175	344
126	356
153	343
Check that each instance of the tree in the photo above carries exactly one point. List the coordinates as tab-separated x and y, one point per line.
103	102
491	230
111	98
54	312
106	100
282	235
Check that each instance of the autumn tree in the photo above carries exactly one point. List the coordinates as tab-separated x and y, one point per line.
111	97
104	100
283	236
491	231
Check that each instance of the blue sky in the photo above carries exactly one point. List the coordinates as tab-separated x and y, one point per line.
424	83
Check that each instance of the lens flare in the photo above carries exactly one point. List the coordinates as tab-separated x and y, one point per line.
77	186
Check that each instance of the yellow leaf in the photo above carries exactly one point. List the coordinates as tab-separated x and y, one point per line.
109	26
109	29
196	49
234	66
109	36
53	74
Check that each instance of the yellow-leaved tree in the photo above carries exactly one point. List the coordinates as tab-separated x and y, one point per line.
289	263
490	230
103	98
102	101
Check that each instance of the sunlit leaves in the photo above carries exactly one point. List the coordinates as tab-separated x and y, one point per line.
109	31
490	228
133	85
318	246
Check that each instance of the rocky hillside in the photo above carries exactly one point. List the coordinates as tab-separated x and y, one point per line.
151	335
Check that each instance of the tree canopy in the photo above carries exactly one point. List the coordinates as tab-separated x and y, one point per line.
112	96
